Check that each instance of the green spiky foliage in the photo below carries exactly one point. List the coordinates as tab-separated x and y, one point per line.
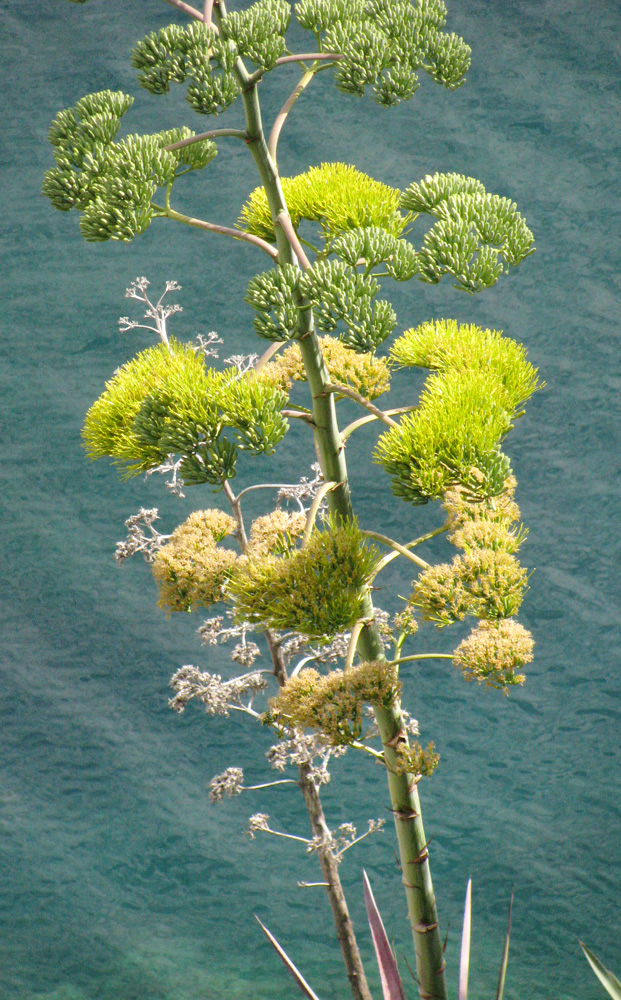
465	410
335	195
113	183
317	590
166	402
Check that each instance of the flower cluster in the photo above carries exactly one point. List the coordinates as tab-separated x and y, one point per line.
141	537
368	375
416	760
217	696
227	784
494	652
333	703
192	568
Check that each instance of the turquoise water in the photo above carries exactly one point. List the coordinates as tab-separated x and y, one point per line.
119	880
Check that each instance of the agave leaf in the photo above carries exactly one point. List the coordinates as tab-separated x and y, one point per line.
505	955
392	987
464	961
609	981
295	972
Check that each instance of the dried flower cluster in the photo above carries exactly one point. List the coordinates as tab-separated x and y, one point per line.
334	703
304	750
227	784
217	696
141	537
494	652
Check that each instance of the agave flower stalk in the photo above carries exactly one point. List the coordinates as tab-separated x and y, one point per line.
405	802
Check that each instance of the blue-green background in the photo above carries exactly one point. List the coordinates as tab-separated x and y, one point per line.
119	880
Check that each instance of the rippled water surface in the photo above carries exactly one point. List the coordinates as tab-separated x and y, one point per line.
119	880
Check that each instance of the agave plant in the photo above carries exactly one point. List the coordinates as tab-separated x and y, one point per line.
390	978
608	980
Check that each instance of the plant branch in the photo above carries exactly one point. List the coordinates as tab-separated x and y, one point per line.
236	234
213	134
305	56
413	544
283	220
186	8
281	117
345	390
399	549
367	420
314	507
421	656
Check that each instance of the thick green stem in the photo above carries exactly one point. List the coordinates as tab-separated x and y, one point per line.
403	787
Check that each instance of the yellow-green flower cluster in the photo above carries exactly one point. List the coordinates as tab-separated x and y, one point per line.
368	375
462	510
192	568
494	652
334	703
317	590
416	760
335	195
274	532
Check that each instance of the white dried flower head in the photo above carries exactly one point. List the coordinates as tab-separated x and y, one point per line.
141	536
217	696
382	623
292	646
137	288
175	484
243	362
210	630
245	653
229	783
205	344
260	821
409	724
305	489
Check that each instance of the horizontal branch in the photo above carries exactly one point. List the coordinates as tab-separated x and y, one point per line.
298	415
345	390
421	656
400	549
367	420
305	56
236	234
238	132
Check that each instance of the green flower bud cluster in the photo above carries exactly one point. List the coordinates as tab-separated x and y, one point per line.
175	54
317	590
259	31
334	703
335	195
192	568
164	403
453	437
494	652
339	294
367	374
475	232
384	42
372	246
111	183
